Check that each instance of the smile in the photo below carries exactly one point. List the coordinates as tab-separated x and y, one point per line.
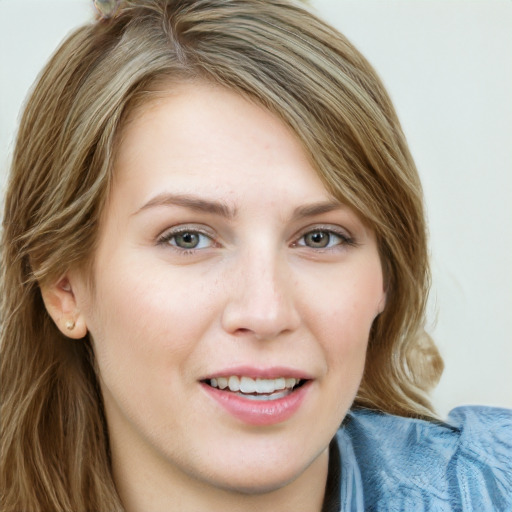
262	400
256	389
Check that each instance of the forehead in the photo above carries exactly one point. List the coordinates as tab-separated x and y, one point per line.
204	138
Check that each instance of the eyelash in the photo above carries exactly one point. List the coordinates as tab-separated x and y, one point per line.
167	237
344	239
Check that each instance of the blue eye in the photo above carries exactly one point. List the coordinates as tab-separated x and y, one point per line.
187	240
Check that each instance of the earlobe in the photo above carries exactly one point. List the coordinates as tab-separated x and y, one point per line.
60	302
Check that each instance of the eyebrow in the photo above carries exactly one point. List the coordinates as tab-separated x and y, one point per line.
223	210
192	202
310	210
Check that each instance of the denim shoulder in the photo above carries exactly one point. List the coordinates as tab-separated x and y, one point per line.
395	463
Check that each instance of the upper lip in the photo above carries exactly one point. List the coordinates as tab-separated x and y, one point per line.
272	372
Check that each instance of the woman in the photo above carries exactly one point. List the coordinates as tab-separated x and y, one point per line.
214	253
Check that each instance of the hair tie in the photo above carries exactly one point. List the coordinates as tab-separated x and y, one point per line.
106	8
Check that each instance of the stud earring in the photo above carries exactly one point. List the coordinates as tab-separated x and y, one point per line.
70	325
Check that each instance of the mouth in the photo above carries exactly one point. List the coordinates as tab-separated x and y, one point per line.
258	389
260	396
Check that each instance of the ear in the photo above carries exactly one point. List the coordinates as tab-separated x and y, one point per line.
61	305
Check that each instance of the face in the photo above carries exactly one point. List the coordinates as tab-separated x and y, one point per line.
233	296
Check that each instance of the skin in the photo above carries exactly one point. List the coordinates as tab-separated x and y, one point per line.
256	291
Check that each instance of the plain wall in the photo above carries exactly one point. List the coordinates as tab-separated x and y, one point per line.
448	67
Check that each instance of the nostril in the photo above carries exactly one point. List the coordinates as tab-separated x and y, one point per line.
242	330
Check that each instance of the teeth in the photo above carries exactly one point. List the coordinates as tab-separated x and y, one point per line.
248	385
289	383
234	383
280	383
266	385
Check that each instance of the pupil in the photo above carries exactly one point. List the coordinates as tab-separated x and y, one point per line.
318	239
187	240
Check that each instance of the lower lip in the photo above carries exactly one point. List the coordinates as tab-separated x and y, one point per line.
265	412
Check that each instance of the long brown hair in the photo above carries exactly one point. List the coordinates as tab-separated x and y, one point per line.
55	453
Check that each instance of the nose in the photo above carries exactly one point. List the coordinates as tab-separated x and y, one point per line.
261	298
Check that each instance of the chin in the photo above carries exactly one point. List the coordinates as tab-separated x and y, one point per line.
260	477
252	484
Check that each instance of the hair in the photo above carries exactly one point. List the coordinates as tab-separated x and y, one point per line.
55	447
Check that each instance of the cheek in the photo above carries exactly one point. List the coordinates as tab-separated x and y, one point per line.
143	322
341	314
346	304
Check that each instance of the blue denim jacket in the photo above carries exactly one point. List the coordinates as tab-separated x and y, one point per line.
380	462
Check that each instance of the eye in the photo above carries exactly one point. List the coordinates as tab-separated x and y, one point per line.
318	239
323	239
186	239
